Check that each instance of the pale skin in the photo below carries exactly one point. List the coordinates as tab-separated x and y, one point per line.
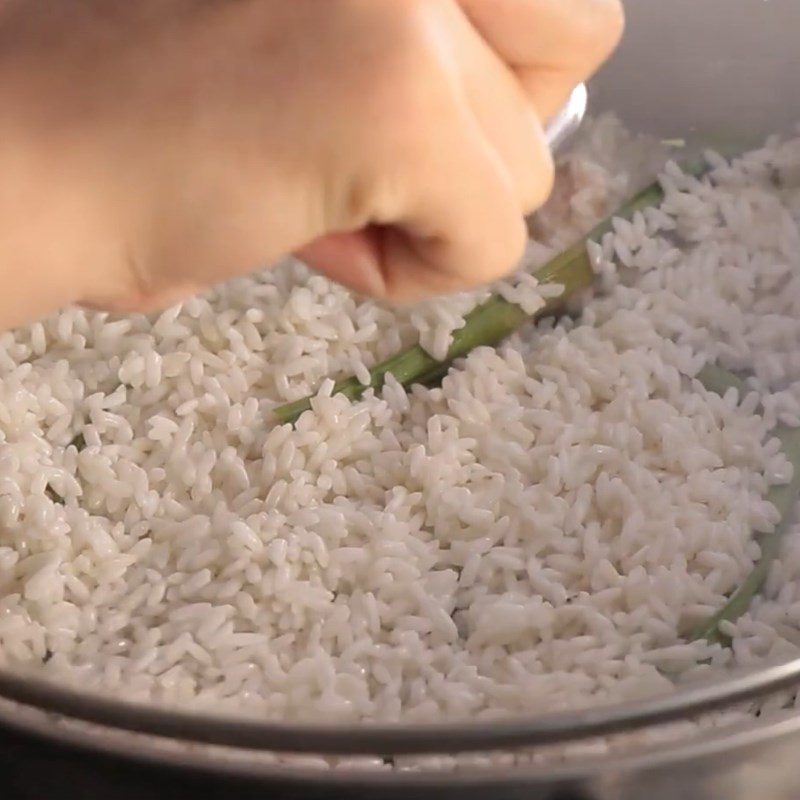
151	149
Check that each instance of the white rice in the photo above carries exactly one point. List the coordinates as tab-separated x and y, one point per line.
539	533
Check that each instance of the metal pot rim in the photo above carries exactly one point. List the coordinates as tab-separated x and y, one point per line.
720	744
240	732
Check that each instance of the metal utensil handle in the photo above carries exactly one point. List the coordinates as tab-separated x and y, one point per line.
566	123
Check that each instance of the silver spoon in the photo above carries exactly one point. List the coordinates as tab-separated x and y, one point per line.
566	123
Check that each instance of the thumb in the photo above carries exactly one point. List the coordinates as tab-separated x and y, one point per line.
352	259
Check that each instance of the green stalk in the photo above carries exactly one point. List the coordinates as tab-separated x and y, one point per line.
489	323
784	497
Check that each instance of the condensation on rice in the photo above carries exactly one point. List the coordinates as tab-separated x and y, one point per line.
538	533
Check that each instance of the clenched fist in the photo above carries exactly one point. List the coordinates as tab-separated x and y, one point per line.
150	149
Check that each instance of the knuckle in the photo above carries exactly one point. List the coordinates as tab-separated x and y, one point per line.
594	29
396	31
397	84
615	22
604	28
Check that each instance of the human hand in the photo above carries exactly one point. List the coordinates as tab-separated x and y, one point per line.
152	149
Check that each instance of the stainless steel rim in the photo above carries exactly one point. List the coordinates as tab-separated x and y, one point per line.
718	745
253	734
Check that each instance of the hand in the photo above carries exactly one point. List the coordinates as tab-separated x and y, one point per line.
152	149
